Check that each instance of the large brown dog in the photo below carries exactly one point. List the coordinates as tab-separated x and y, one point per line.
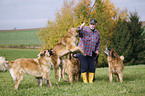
40	68
115	64
72	68
66	45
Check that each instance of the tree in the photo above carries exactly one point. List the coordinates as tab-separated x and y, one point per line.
73	14
59	26
106	14
123	14
121	39
67	17
128	40
137	39
81	11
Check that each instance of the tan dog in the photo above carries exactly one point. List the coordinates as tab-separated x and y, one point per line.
115	64
66	45
40	68
3	65
72	69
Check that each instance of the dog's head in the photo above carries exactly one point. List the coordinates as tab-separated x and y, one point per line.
45	52
74	31
107	51
42	53
111	52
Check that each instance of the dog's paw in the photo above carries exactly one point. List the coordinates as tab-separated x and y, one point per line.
65	80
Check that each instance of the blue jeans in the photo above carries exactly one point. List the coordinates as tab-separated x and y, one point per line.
87	63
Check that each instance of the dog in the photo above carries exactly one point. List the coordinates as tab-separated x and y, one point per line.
66	45
72	68
40	68
3	65
115	64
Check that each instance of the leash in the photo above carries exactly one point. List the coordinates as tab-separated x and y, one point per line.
90	11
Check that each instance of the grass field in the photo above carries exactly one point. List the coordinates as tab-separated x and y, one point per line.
12	54
133	85
20	37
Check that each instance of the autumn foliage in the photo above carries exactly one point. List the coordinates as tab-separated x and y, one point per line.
73	13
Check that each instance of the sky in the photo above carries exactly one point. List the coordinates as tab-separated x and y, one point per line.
22	14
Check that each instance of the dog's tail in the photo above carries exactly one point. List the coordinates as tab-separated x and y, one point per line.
3	64
122	58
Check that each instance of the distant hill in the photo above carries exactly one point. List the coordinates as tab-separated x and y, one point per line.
20	29
22	38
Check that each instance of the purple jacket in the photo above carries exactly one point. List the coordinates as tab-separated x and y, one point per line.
89	40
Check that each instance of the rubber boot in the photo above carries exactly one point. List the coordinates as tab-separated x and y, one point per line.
91	77
84	76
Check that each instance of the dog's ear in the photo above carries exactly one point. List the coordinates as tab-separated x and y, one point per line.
109	48
70	30
11	61
112	54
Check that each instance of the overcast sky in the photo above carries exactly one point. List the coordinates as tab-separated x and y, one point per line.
23	14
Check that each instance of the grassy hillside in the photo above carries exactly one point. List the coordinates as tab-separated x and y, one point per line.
20	37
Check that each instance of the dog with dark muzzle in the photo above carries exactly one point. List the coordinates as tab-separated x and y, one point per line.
115	63
66	45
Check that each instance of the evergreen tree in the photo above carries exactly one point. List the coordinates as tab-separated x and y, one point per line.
128	40
120	40
137	39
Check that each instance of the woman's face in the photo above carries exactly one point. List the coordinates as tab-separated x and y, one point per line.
93	26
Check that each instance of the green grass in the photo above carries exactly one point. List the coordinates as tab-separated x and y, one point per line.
20	37
12	54
133	85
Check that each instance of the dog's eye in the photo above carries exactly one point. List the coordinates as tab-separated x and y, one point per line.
42	54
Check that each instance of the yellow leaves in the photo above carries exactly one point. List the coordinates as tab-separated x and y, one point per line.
110	9
73	14
124	14
70	15
82	9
